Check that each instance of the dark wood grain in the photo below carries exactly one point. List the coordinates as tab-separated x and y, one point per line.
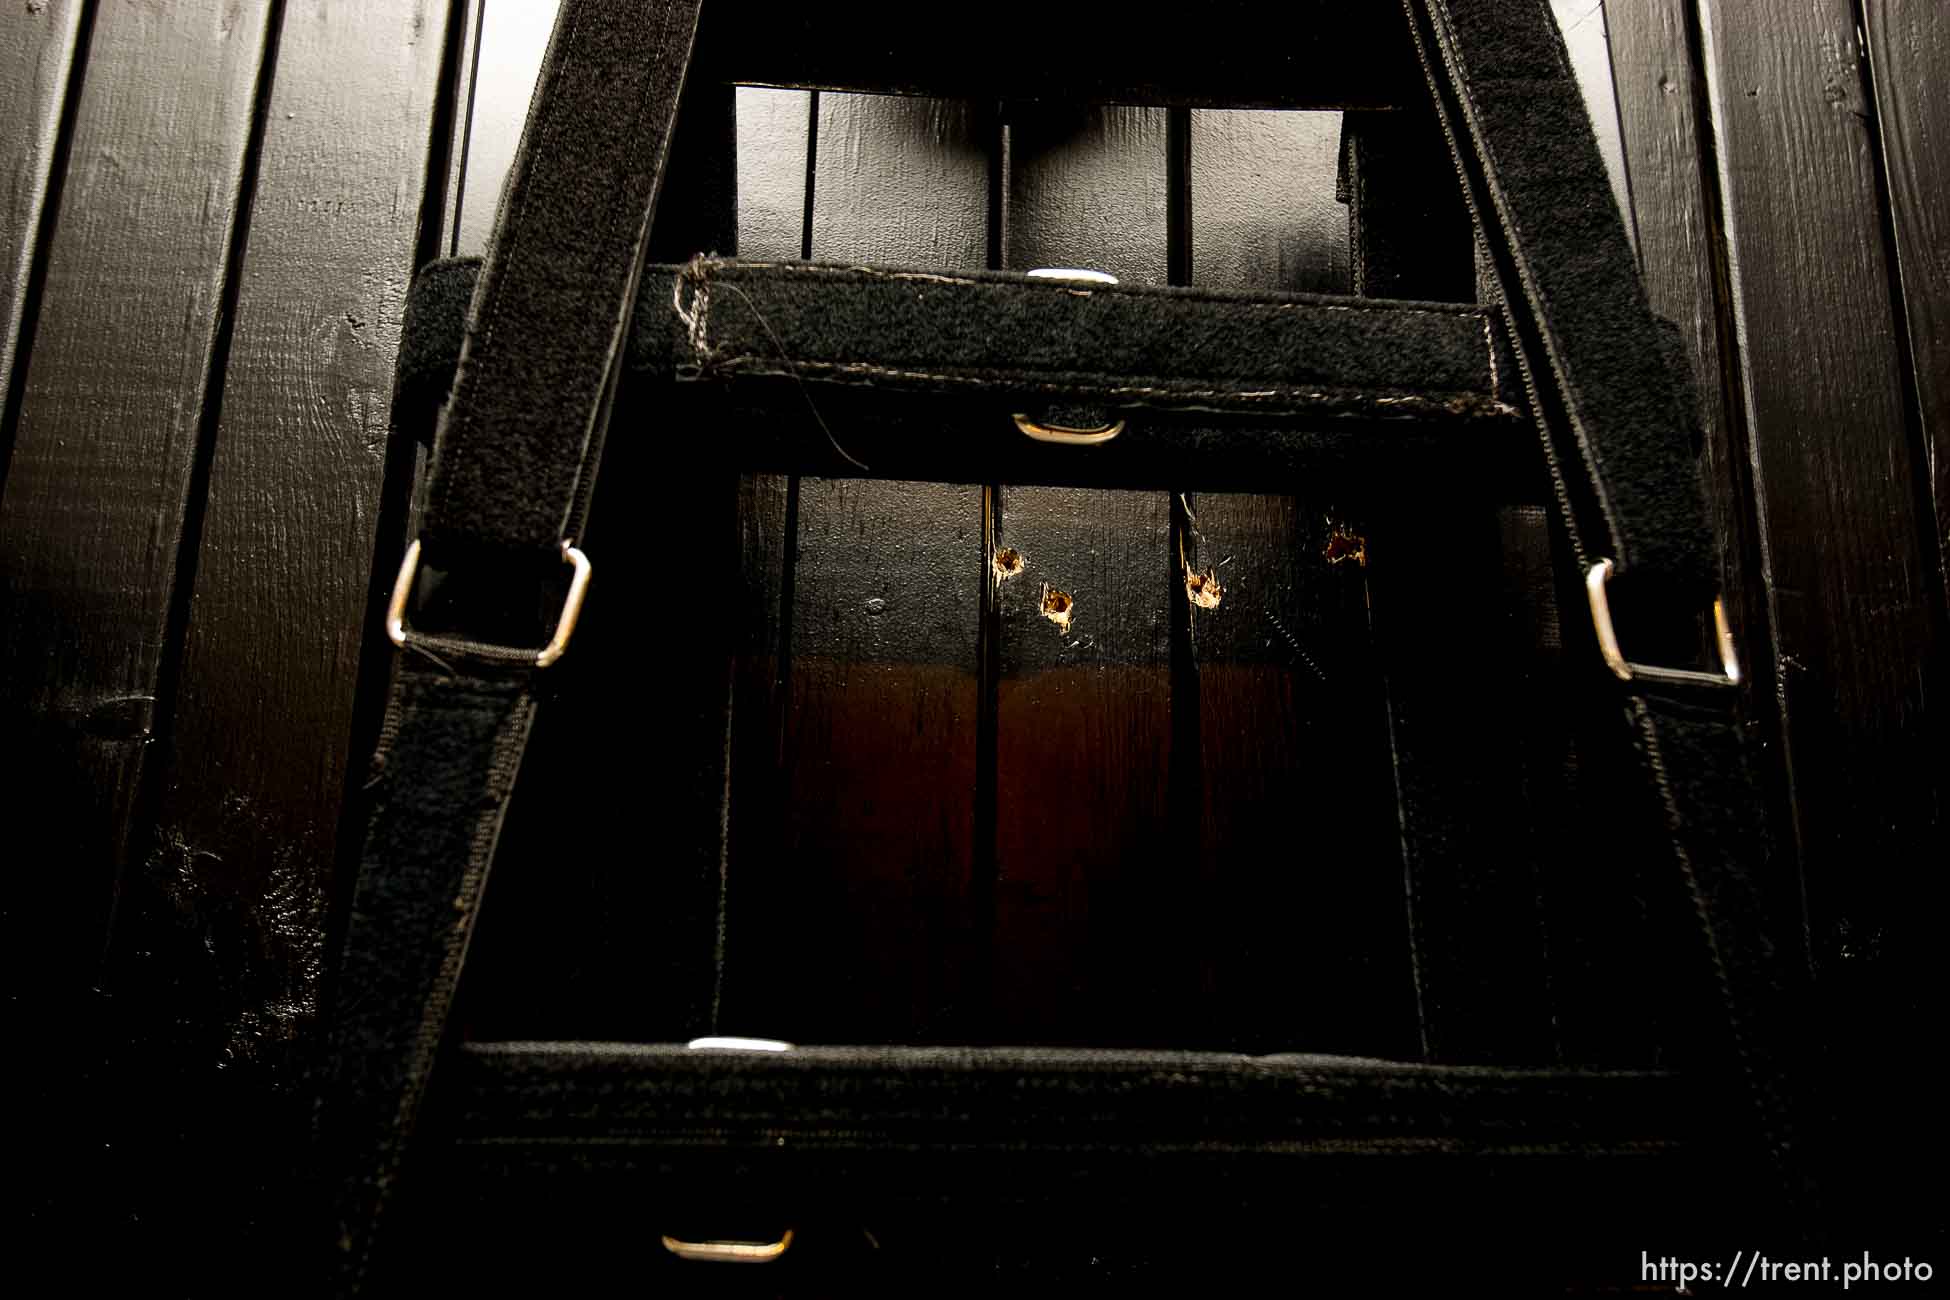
1090	940
850	867
1677	215
469	16
1909	52
1088	874
1838	484
281	579
37	48
773	134
111	414
1299	894
1264	211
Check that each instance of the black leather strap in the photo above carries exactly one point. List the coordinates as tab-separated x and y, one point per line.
514	461
518	442
1618	435
1621	444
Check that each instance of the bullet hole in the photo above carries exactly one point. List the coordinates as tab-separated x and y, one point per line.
1007	563
1204	589
1058	608
1343	545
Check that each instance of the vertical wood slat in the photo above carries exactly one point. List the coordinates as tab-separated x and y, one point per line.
1300	883
1856	640
469	17
254	759
1677	214
514	37
108	433
1090	945
1909	54
852	833
774	159
37	53
1264	211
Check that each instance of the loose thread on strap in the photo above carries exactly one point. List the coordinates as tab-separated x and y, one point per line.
804	391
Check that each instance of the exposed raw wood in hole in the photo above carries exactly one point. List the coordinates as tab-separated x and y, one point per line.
1058	608
1203	588
1007	563
1343	544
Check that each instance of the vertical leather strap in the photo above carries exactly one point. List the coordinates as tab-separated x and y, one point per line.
1621	446
514	462
1619	443
518	440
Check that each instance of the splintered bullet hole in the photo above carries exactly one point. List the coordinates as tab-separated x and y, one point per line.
1058	608
1204	588
1344	545
1007	563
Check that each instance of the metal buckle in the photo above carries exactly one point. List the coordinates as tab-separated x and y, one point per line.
565	626
1594	585
1059	432
730	1252
1063	433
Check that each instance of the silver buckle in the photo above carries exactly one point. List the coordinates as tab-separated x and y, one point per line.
398	633
730	1252
1594	585
1059	432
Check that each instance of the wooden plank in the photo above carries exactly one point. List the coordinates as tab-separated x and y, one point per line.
1908	53
852	832
773	134
1677	214
513	39
1264	211
249	818
1909	50
1088	876
775	137
1299	862
469	16
1838	485
37	47
1283	738
110	422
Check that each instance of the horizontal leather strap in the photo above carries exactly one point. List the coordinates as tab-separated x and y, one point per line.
884	1099
1123	347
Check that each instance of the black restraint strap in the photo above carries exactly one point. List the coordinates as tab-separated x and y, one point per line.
1618	433
1135	348
513	464
1622	446
519	441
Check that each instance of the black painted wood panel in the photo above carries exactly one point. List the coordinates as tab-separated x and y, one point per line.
852	837
281	584
37	49
1844	549
1909	56
129	343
